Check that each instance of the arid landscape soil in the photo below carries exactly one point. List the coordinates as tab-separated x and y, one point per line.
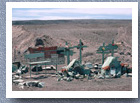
92	33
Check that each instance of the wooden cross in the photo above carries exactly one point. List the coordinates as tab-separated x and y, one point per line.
112	47
107	49
80	46
69	52
103	50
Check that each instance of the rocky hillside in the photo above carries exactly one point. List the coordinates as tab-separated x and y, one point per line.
93	33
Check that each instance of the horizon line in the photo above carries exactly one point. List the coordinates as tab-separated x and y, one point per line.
68	19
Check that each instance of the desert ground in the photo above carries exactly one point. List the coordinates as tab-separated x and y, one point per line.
92	33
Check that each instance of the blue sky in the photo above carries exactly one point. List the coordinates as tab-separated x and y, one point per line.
70	13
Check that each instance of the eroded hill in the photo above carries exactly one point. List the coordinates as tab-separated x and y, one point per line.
92	32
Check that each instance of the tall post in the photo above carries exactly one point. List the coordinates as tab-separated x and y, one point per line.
56	67
66	43
14	54
67	53
103	53
80	51
112	51
30	71
68	57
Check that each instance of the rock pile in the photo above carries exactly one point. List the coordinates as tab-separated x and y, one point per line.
75	70
17	80
112	68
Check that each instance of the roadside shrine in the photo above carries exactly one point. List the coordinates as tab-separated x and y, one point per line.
52	55
110	48
112	66
68	52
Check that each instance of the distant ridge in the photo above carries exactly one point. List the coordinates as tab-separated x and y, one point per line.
81	21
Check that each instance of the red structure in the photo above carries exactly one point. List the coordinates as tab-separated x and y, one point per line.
47	50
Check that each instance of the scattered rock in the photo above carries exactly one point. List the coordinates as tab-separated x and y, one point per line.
79	70
21	85
96	66
49	68
121	53
18	72
128	53
18	81
71	74
77	76
24	69
37	68
15	77
32	83
69	79
95	72
101	77
15	66
89	65
41	84
38	42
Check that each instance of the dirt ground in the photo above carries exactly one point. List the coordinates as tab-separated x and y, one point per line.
92	32
51	84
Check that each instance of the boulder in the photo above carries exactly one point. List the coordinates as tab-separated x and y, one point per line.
37	68
89	65
24	69
21	85
18	72
41	84
69	79
79	70
49	68
15	66
77	76
38	42
101	77
15	77
32	83
18	81
121	53
95	72
96	66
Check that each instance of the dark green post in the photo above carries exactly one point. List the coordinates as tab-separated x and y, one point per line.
80	50
112	51
66	43
68	57
107	49
103	53
67	51
14	54
56	67
103	50
80	46
30	71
